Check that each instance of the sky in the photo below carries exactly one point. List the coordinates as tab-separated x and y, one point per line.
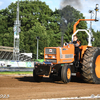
82	5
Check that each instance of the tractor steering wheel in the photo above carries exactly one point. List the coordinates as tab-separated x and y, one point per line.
65	44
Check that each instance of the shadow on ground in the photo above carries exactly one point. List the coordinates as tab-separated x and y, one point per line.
31	79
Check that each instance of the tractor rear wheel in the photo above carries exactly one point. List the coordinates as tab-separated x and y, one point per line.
37	78
66	73
91	65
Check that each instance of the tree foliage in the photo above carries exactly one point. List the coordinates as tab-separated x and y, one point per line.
69	16
96	36
37	19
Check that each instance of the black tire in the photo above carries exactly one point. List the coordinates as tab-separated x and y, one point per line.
36	77
65	76
56	77
52	77
89	72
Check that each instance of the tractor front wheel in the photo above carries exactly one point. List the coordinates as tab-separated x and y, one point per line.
66	73
37	78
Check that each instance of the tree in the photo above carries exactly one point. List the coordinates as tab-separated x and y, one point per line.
37	19
3	25
96	36
69	16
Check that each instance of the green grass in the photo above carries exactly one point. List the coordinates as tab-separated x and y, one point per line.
39	60
9	73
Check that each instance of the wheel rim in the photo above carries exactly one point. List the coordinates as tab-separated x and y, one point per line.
97	68
68	73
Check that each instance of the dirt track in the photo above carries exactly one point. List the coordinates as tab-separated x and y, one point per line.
24	88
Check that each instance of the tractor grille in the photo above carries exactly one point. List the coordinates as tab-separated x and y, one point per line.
51	60
50	51
69	56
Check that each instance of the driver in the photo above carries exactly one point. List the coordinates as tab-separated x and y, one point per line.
77	44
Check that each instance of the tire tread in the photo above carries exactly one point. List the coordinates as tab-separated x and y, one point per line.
87	69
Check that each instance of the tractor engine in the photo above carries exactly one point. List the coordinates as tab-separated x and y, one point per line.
59	55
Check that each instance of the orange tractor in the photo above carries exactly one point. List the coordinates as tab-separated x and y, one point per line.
60	61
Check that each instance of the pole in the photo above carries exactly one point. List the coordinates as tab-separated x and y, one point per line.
37	48
62	37
16	35
96	16
18	32
91	23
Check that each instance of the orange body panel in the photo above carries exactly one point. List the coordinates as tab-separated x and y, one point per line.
97	68
83	49
62	55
